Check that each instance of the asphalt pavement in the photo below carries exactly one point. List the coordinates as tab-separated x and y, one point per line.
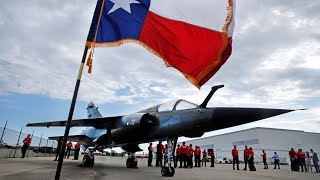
113	168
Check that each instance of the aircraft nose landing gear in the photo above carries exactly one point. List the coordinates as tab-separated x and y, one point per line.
132	161
88	159
167	170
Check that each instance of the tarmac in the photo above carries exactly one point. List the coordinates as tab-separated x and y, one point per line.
44	168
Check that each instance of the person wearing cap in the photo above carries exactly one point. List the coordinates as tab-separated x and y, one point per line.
183	155
159	157
204	157
177	156
235	156
26	144
190	156
150	155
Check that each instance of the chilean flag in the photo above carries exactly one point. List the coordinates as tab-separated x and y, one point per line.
181	32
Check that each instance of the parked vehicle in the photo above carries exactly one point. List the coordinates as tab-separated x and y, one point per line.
142	156
224	161
4	145
44	150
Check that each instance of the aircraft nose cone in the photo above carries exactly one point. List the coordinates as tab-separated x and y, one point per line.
229	117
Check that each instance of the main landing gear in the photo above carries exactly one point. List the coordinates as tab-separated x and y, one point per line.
132	161
88	159
168	169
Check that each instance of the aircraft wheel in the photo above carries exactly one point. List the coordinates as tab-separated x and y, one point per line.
87	161
132	163
167	172
171	171
164	171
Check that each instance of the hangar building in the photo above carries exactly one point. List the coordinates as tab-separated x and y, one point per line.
259	138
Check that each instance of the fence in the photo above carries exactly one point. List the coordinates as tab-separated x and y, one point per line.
11	142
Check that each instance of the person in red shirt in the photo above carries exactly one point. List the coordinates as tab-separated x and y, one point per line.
76	151
250	160
302	161
183	155
165	149
212	157
204	158
67	153
197	155
150	155
160	148
26	144
177	156
293	160
264	159
190	156
245	156
235	155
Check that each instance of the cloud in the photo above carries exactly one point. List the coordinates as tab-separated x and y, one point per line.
275	61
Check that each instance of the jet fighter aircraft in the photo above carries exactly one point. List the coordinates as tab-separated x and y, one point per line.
166	121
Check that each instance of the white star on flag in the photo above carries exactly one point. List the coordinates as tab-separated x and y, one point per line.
123	4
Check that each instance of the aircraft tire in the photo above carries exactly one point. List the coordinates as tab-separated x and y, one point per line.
87	161
164	171
131	163
171	172
167	172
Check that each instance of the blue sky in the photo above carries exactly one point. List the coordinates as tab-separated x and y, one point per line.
275	63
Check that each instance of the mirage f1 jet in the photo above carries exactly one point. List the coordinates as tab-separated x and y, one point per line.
166	121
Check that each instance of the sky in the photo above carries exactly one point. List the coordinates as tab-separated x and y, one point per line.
275	64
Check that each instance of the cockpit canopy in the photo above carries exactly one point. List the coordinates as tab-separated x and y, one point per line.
172	106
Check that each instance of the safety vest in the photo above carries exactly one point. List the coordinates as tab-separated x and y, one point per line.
27	141
183	149
160	148
165	150
190	151
77	146
178	151
292	153
69	145
212	153
264	155
234	153
197	151
204	153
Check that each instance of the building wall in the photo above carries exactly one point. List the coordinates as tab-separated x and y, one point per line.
269	139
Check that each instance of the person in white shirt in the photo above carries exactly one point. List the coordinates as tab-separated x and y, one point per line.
276	160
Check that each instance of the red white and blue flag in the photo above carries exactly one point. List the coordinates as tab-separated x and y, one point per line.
192	36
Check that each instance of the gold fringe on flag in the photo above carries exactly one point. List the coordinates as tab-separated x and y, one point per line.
89	62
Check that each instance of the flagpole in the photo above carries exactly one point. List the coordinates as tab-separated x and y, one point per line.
73	103
75	94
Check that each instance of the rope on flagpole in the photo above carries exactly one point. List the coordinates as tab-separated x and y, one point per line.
90	57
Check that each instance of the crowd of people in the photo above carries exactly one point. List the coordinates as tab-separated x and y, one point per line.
190	157
27	141
69	146
185	155
302	161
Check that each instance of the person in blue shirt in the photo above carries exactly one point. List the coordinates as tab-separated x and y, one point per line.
276	160
315	160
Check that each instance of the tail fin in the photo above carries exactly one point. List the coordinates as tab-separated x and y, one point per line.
93	111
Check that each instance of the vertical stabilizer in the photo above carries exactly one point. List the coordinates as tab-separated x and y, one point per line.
93	111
